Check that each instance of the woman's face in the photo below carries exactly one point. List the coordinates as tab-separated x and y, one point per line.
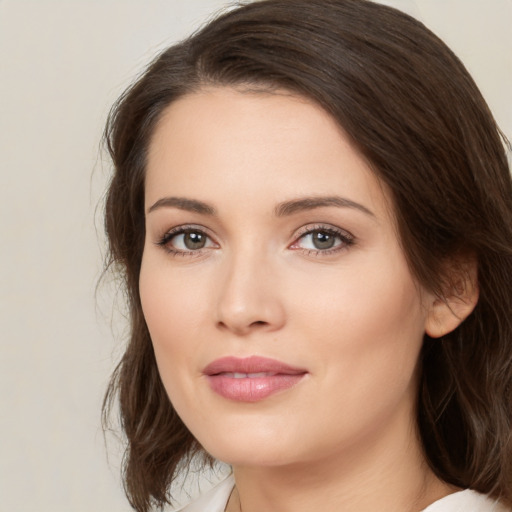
285	321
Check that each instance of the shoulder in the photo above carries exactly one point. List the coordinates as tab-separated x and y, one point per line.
466	501
214	500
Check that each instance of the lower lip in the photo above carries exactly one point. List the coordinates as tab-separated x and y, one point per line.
252	389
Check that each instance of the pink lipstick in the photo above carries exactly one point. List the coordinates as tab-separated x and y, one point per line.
251	379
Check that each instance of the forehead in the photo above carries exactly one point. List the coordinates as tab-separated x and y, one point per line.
246	143
226	118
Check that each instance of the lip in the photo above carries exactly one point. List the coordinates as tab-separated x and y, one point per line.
251	379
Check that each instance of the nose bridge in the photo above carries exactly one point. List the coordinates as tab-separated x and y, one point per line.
248	294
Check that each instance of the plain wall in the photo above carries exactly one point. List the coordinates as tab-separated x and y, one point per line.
63	62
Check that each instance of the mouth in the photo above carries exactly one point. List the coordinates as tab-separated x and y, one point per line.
236	375
251	379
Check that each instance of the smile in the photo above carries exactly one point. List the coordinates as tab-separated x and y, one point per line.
251	379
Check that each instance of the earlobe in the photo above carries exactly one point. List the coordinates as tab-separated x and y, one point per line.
447	313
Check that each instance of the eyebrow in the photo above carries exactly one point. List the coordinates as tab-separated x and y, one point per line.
182	203
283	209
309	203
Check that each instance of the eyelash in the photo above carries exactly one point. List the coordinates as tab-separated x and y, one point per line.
165	240
346	240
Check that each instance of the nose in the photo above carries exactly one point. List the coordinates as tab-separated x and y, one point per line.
250	297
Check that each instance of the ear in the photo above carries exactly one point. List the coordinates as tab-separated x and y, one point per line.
459	299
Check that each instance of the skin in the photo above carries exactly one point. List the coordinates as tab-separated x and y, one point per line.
344	437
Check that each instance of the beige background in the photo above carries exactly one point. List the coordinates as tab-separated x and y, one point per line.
62	63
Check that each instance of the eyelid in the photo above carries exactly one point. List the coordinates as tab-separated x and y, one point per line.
164	240
318	226
347	239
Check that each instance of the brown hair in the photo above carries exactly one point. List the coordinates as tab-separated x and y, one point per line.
415	114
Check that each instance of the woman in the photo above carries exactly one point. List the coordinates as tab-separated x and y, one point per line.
312	212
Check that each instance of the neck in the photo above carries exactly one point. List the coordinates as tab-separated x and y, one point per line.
390	473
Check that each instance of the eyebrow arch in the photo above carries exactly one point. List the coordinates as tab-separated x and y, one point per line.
182	203
308	203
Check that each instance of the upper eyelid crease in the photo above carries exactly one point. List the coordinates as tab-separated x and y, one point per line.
309	228
178	230
339	232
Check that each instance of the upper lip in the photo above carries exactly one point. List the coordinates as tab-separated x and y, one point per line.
253	364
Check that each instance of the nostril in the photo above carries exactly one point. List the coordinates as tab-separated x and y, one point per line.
243	329
259	322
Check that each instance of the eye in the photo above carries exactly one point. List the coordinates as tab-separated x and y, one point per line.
320	239
186	240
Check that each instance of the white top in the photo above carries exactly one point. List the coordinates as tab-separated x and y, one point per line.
216	499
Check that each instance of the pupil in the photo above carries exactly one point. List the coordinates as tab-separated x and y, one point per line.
323	240
194	240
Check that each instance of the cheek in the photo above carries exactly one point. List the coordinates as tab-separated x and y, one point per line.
173	308
176	309
364	336
378	297
368	327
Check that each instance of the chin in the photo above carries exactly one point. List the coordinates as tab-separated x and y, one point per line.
245	446
252	455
